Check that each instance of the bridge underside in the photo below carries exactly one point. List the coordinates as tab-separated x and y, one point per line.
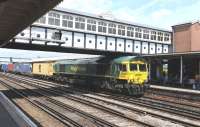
64	49
16	15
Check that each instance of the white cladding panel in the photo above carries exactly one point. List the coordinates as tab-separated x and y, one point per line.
90	41
101	42
137	47
159	48
38	33
145	48
24	34
152	48
165	49
120	45
79	40
67	38
50	34
129	46
111	44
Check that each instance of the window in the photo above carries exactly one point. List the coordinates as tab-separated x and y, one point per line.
166	37
79	23
142	67
160	36
146	34
67	21
54	19
91	25
122	67
102	26
130	31
133	67
153	35
112	28
138	32
56	35
42	20
121	30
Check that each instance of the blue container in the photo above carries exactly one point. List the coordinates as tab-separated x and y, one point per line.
23	68
4	67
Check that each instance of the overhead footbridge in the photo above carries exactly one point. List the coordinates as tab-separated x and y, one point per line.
71	31
16	15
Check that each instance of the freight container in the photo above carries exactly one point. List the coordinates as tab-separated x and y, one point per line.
10	67
24	68
4	67
43	68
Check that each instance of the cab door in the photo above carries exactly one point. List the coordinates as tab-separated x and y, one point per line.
123	71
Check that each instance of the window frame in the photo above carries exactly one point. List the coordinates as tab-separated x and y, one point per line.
112	28
146	34
102	27
121	30
67	19
54	18
80	23
153	35
138	32
91	25
130	31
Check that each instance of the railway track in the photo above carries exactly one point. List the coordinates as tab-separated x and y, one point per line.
97	106
141	103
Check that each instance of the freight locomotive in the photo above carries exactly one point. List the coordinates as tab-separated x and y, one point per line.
124	74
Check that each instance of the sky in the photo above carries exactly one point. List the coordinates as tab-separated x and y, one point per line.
157	13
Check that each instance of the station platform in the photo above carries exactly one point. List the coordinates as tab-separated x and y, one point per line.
11	115
180	90
5	118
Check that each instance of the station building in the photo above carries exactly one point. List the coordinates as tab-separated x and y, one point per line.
180	68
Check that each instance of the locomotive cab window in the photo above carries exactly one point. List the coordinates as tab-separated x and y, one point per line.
133	67
142	67
122	67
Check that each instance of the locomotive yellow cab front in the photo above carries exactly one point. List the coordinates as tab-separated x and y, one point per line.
135	73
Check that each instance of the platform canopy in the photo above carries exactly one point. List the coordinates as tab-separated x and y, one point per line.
16	15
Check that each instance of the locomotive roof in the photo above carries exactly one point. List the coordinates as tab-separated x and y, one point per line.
124	58
102	60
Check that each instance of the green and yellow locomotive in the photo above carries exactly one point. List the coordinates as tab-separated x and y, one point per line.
123	74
